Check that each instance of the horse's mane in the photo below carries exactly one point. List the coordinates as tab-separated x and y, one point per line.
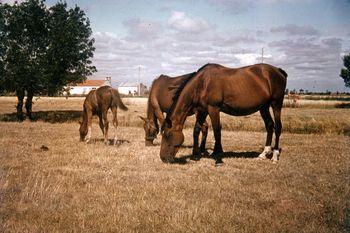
179	90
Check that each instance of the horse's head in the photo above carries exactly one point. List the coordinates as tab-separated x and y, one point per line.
151	131
83	130
171	141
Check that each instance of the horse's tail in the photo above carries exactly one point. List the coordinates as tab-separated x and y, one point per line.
116	100
284	73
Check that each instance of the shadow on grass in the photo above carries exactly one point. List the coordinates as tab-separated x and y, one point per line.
47	116
245	155
230	154
343	105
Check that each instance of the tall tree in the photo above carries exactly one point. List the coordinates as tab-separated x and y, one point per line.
70	47
345	72
43	49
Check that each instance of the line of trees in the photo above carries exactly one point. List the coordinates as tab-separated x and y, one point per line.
42	49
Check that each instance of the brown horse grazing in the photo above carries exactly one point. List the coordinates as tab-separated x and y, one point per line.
237	92
159	101
97	102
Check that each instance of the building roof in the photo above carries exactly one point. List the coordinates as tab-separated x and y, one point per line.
91	82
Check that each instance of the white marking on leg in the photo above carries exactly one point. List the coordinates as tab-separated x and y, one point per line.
88	135
267	151
275	156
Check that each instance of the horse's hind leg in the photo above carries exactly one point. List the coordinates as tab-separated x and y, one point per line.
100	122
105	123
265	114
115	124
278	129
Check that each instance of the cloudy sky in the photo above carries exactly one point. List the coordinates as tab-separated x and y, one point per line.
305	37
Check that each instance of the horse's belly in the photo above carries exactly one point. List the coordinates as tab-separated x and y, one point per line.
239	111
242	108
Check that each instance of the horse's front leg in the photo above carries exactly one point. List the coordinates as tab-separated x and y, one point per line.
158	115
89	124
214	115
204	130
200	119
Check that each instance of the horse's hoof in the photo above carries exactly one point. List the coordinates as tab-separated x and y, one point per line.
195	158
218	163
205	153
261	157
275	156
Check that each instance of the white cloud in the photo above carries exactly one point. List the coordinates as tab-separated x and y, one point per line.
182	22
249	58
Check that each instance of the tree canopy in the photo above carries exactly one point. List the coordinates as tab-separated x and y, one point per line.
43	49
345	72
69	47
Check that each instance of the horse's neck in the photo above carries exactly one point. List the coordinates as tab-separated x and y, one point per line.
183	105
150	111
85	118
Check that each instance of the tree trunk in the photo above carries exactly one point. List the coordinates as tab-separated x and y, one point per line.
29	103
20	97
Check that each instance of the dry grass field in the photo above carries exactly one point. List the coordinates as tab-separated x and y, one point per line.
51	182
309	116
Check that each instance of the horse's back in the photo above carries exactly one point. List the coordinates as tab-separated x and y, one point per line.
162	91
243	90
98	98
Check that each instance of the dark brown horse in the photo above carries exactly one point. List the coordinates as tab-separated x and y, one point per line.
237	92
159	101
97	102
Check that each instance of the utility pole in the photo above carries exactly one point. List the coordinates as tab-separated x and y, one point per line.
262	55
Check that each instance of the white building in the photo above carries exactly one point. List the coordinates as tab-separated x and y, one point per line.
132	88
85	87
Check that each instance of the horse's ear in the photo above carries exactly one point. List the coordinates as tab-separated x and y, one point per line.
143	118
